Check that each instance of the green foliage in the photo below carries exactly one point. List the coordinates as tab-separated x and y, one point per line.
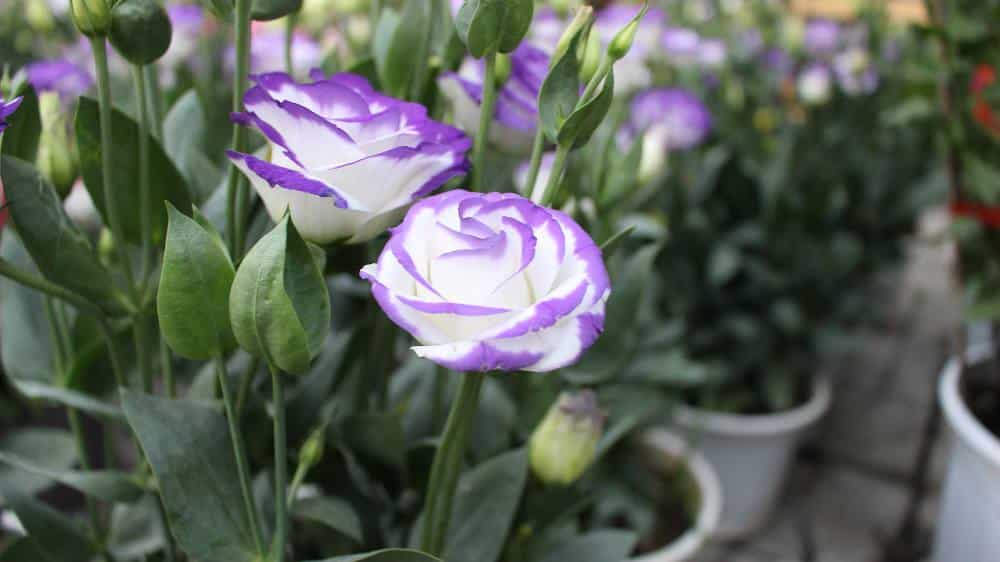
166	183
279	304
193	297
266	10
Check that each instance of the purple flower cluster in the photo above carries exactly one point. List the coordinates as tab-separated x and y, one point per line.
62	76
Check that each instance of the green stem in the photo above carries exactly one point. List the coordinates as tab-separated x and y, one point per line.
485	120
161	515
107	163
154	95
240	84
280	469
167	365
290	21
293	489
42	285
97	526
536	163
145	217
547	197
245	381
448	464
239	451
117	366
140	337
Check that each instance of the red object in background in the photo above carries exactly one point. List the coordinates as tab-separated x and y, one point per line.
983	78
986	215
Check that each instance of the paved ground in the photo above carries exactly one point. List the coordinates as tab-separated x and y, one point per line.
851	487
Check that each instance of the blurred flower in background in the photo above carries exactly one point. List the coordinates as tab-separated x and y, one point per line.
680	45
984	77
664	120
821	37
516	114
815	84
189	26
856	75
267	51
61	76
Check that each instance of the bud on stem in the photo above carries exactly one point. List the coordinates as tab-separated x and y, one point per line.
91	17
565	443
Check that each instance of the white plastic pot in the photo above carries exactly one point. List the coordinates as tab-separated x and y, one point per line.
751	454
969	521
687	545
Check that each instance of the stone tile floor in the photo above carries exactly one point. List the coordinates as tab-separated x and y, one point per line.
850	488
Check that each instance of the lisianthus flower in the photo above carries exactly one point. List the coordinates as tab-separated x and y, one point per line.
664	120
821	37
516	113
984	77
492	282
7	108
62	76
343	159
267	51
815	84
856	75
680	45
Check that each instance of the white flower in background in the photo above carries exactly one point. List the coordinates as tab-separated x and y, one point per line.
815	84
712	53
856	75
680	45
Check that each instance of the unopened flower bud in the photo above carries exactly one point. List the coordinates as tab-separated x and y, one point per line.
56	154
503	69
622	43
140	30
581	19
91	17
591	58
565	442
312	450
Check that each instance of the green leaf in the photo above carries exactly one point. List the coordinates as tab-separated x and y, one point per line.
135	530
184	131
70	398
401	46
480	25
560	90
20	140
193	298
189	450
279	304
335	513
517	21
22	550
166	183
582	123
60	251
387	555
630	280
266	10
596	546
486	502
51	448
54	535
107	485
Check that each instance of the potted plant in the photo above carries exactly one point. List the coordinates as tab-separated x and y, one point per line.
969	387
772	244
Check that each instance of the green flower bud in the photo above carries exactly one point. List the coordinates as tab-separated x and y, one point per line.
622	43
591	58
91	17
39	15
312	450
503	69
106	247
580	20
565	443
140	30
56	154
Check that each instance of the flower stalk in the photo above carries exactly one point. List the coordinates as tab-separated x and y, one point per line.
145	218
239	451
280	469
236	186
485	120
447	464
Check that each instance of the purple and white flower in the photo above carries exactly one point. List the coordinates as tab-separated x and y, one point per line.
856	75
66	78
815	84
712	53
343	159
516	113
267	51
664	120
681	45
492	282
7	108
821	37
